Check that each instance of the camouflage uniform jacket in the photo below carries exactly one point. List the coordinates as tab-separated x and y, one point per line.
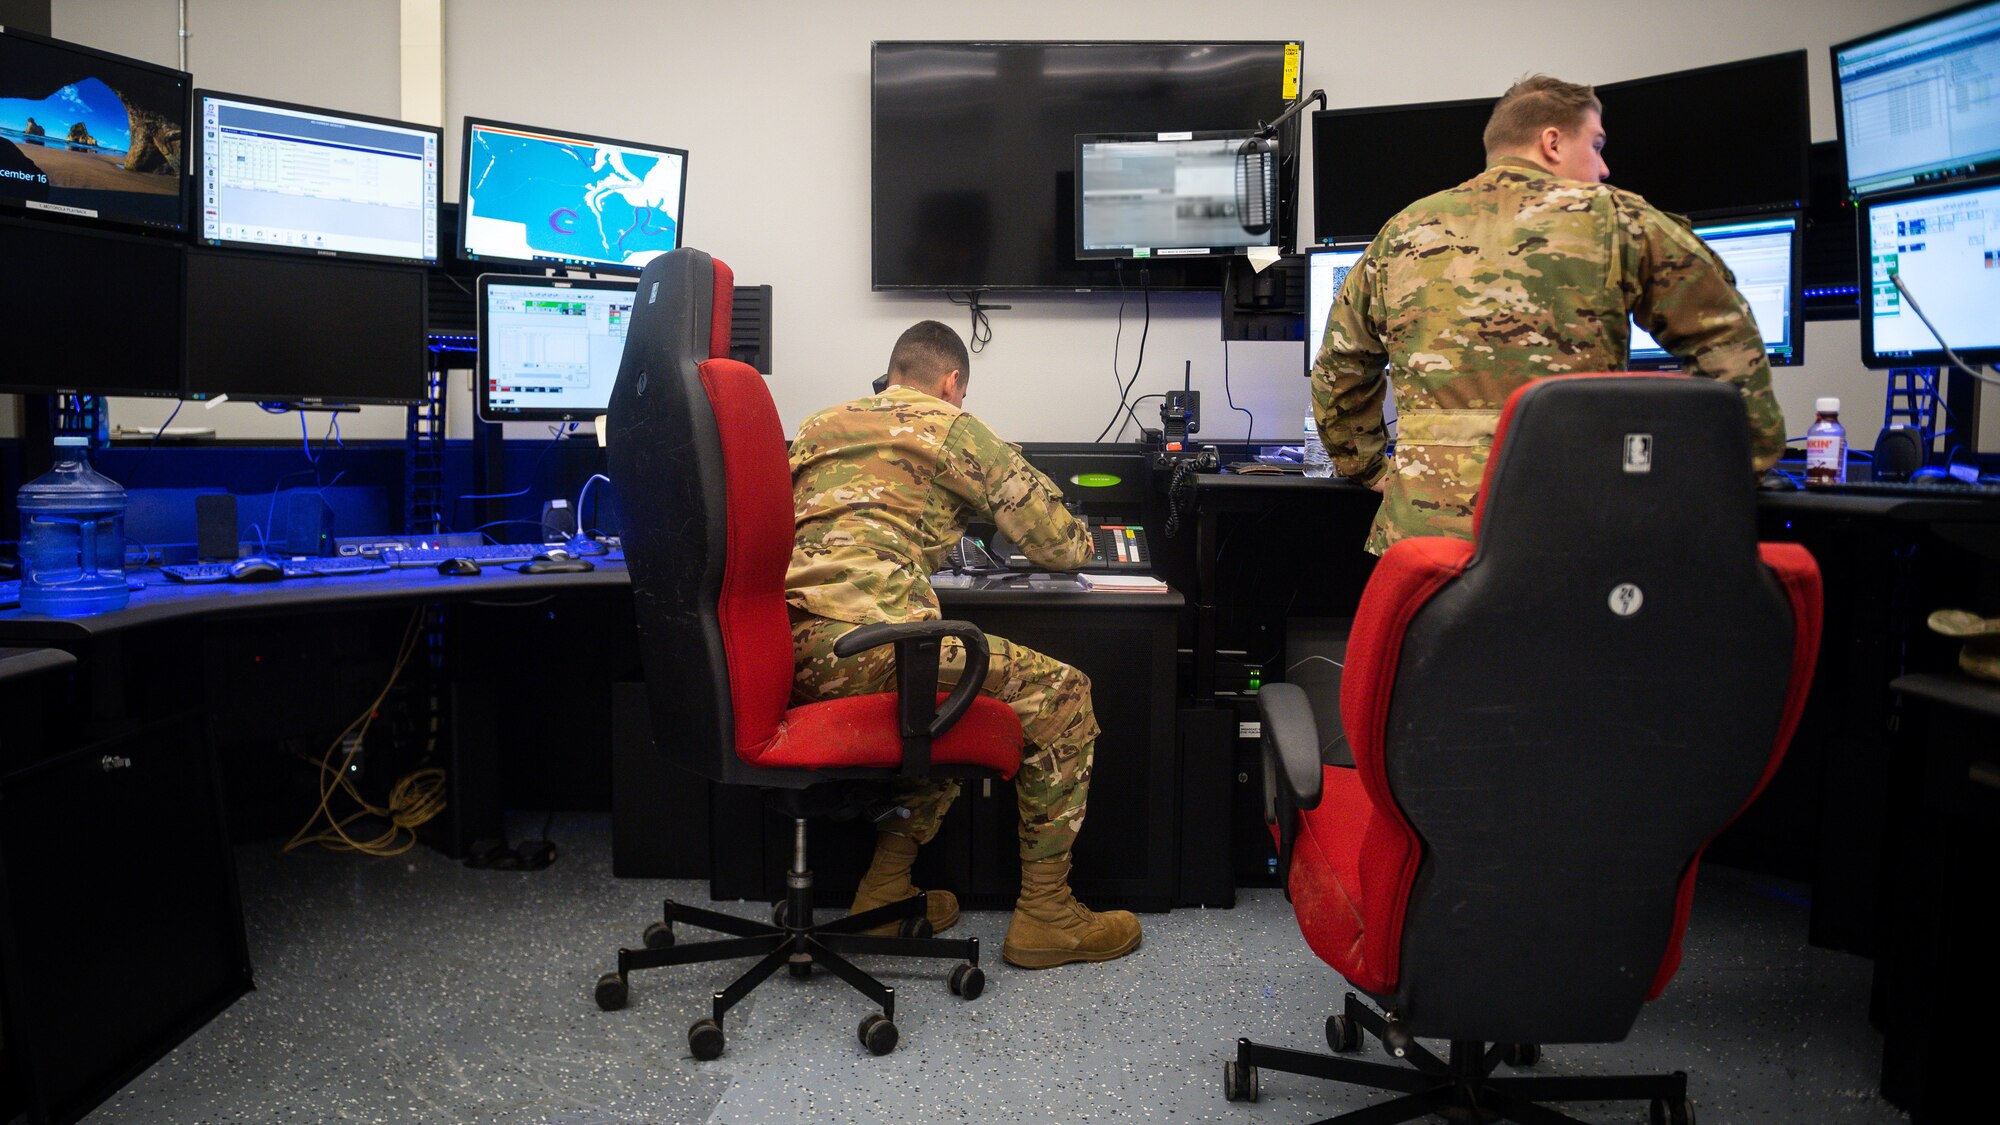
883	486
1513	275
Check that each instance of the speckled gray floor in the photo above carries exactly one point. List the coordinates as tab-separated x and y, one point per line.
414	990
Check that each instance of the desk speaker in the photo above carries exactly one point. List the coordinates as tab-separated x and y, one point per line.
1899	451
215	526
306	527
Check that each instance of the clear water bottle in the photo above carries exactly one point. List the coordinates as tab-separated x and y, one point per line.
1826	444
1318	464
72	537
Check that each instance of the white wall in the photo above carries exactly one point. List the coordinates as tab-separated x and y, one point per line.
771	99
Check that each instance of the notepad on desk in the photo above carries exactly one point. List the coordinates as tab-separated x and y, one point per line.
1122	583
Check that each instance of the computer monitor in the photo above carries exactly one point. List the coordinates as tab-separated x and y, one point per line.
549	347
1356	189
275	176
1326	270
1165	195
90	311
89	135
270	328
544	198
1944	243
1764	256
1918	102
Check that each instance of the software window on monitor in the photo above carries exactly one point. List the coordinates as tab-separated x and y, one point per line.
305	180
551	350
1921	100
1173	194
1946	247
1761	255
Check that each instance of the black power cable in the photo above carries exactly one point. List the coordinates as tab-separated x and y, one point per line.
1124	409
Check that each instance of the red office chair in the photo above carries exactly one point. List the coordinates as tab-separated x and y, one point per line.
705	486
1549	724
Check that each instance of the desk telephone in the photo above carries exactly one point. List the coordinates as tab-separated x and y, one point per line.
1118	546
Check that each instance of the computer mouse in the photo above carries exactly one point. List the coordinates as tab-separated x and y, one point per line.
547	564
1929	472
458	567
1778	482
256	568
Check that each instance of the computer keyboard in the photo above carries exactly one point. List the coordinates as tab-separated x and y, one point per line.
198	572
485	555
1940	489
329	567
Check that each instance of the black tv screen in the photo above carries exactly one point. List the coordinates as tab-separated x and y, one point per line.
304	330
90	135
973	176
1721	140
92	311
1358	186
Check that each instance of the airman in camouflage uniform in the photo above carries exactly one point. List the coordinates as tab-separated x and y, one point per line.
882	487
1529	269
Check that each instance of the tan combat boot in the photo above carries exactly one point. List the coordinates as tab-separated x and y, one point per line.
888	880
1051	928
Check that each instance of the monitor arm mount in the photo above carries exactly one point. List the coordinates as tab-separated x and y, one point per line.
1266	132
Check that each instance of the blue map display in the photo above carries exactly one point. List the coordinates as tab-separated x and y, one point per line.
574	200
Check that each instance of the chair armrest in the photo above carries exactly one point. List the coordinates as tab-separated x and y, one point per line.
917	648
1291	748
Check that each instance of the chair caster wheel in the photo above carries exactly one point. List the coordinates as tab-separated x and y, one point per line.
918	927
1669	1111
705	1040
660	935
1342	1034
611	992
878	1033
967	980
1522	1054
799	969
1239	1082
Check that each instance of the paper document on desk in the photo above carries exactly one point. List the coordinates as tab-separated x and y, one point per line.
1122	583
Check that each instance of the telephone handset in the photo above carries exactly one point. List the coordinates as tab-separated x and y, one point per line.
1115	546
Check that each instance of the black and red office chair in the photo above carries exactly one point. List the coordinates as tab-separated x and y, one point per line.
1549	723
705	486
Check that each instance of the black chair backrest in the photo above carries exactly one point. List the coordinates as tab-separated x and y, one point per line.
1577	714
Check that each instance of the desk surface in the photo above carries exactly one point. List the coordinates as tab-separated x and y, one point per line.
164	600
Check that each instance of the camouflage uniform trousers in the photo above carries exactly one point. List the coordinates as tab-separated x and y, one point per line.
1053	702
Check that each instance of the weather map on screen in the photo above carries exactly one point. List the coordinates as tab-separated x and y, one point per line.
531	195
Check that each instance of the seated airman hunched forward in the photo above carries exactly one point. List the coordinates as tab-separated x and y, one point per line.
882	487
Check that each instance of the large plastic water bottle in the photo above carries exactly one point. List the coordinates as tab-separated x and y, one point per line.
72	537
1318	464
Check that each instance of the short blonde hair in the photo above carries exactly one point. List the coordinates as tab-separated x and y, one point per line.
1533	104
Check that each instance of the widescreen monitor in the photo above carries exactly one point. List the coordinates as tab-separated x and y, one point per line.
1920	101
1662	139
90	311
273	328
549	348
274	176
89	135
973	168
1326	272
1764	256
1356	188
1944	243
541	197
1166	195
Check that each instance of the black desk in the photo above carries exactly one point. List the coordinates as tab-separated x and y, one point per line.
1937	985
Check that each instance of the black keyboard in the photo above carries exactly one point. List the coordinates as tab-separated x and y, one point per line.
1912	489
329	567
486	555
198	572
